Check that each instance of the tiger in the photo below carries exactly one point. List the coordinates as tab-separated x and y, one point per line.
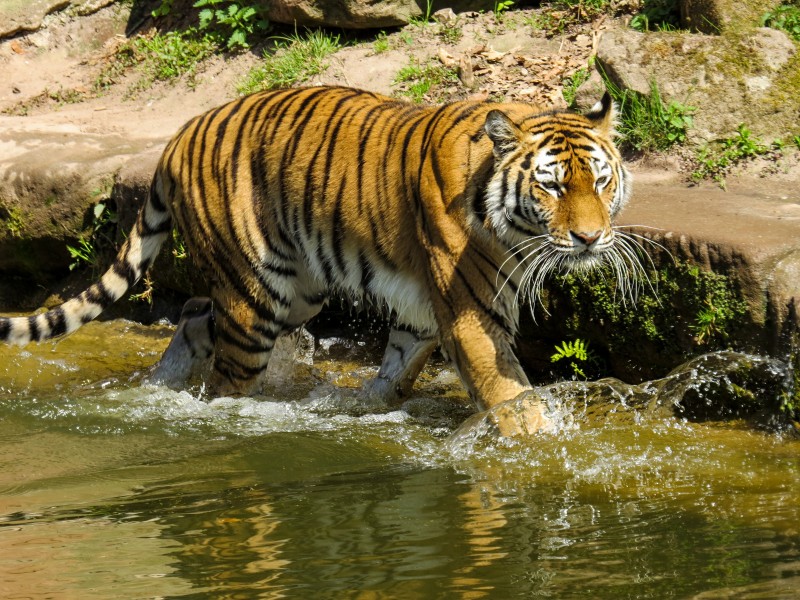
445	217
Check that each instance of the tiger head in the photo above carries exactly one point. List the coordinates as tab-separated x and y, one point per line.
558	183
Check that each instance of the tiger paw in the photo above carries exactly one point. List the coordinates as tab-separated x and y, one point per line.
523	416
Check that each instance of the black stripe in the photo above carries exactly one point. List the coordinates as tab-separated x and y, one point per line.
57	321
126	271
367	129
33	327
5	328
326	265
338	233
99	295
519	184
498	320
233	369
250	345
155	200
367	274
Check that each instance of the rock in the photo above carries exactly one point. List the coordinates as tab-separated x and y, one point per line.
26	15
722	386
366	14
749	78
348	14
50	177
719	386
717	16
589	92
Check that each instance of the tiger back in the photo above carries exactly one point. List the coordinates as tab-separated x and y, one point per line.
442	217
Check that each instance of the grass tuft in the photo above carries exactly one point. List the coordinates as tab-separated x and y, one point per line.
294	60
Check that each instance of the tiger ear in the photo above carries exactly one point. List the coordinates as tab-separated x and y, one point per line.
503	132
603	115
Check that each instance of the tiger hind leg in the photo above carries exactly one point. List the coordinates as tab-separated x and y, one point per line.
189	353
246	332
405	355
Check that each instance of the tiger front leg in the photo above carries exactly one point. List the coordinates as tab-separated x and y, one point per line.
483	355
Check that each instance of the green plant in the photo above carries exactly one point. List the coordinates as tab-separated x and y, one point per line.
87	251
659	15
660	326
84	252
707	324
163	9
146	295
294	60
797	141
381	43
576	354
160	57
716	164
179	251
501	6
235	21
14	220
173	54
417	80
645	123
786	17
450	33
572	83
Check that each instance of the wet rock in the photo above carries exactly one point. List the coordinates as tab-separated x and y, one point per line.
722	386
743	78
719	386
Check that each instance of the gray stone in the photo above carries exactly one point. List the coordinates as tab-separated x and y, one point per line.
349	14
18	16
363	14
717	16
730	80
50	177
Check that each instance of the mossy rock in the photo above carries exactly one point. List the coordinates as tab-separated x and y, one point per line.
718	16
749	76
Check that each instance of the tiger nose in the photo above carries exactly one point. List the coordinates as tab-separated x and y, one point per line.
586	238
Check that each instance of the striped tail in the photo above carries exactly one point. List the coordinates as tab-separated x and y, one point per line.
134	258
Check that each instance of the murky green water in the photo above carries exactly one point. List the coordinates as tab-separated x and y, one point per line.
110	489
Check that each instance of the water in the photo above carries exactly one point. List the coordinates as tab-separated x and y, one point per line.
113	489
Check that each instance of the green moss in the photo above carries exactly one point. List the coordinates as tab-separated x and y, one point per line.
692	310
790	400
13	220
787	84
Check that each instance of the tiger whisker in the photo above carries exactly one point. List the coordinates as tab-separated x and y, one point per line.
517	249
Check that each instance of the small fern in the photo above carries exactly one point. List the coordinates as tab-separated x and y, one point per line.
577	354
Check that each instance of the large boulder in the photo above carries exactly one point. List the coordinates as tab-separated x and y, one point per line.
350	14
717	16
751	78
18	16
361	14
